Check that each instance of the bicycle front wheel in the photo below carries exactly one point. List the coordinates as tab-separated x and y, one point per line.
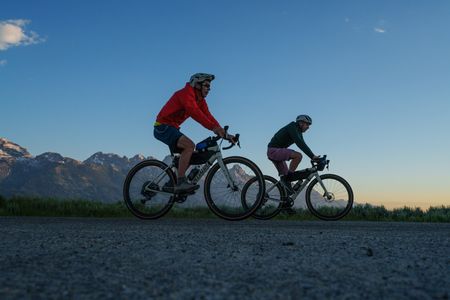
333	203
271	203
223	188
143	189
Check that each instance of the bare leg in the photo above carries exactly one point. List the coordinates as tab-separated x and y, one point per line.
296	158
185	156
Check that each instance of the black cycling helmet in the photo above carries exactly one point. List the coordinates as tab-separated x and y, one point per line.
200	77
304	118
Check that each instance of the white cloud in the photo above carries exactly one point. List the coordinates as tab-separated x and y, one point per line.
379	30
3	62
381	26
13	33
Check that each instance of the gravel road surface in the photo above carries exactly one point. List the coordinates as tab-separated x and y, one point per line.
86	258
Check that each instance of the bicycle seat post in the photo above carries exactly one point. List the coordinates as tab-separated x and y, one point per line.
175	160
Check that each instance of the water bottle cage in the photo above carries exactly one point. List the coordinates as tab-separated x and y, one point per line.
175	161
193	173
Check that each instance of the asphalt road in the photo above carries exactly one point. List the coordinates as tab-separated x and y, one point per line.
77	258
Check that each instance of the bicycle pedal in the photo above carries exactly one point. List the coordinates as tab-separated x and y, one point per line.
180	199
289	202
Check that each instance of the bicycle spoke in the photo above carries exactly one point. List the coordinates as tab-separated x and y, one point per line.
332	203
270	205
143	189
225	199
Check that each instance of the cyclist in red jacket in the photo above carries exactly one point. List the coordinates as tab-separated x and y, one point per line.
187	102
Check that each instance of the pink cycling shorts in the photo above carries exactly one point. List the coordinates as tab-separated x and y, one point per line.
279	156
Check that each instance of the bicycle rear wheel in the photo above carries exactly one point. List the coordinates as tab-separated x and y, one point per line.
143	189
271	203
333	205
223	198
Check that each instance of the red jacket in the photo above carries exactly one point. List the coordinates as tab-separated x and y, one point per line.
183	105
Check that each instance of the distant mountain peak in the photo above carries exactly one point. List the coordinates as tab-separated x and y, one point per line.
101	158
138	157
10	150
51	156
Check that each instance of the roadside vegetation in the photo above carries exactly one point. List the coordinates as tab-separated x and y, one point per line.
49	207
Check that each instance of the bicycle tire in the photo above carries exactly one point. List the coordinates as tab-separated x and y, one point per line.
214	196
134	186
268	209
329	209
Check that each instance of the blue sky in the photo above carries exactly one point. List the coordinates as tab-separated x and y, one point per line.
86	76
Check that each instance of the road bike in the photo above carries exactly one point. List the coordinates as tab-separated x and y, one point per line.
149	186
328	196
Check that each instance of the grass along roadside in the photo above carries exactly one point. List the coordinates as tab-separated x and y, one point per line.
50	207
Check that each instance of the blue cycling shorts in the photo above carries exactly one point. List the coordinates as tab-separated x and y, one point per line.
169	135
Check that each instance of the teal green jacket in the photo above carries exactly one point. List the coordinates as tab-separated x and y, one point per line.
288	135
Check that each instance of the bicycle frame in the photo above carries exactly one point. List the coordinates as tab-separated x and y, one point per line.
217	156
314	173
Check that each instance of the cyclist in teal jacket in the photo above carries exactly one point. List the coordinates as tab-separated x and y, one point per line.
279	153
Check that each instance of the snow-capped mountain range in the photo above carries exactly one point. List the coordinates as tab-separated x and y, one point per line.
100	177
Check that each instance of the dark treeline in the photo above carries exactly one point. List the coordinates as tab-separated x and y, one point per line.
36	206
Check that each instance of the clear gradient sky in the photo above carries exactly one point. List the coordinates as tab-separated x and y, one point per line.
77	77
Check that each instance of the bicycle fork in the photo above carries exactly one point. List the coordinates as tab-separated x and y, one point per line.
226	173
327	195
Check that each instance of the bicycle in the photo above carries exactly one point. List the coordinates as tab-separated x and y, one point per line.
328	197
148	188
